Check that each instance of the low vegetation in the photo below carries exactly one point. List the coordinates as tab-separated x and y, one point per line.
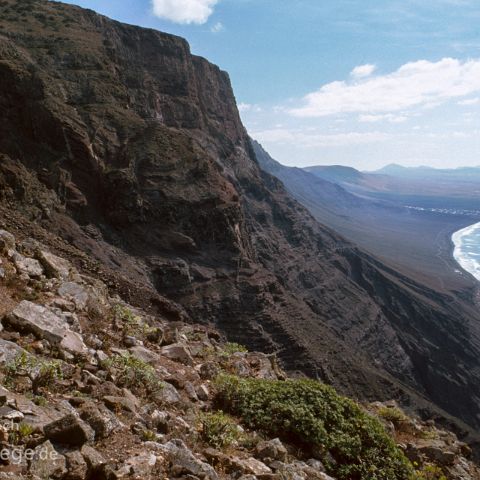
355	445
391	414
133	325
430	472
232	348
20	434
219	430
41	373
133	373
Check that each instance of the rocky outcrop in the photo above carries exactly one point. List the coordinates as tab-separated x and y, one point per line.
145	413
45	324
124	151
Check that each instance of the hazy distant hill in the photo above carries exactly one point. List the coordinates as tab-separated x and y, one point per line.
419	187
424	172
367	209
337	173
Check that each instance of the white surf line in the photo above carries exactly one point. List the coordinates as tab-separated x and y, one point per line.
469	261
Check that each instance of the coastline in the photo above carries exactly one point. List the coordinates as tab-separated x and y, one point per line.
463	257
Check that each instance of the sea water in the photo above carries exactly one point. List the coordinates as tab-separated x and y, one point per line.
467	249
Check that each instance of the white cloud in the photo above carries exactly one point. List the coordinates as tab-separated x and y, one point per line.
389	117
217	28
247	107
460	135
470	101
363	71
184	11
415	84
284	136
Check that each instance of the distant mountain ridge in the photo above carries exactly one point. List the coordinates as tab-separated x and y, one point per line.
432	172
336	173
395	180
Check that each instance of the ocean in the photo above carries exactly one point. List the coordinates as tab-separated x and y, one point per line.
467	249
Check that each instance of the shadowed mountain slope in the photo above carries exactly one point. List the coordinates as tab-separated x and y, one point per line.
117	141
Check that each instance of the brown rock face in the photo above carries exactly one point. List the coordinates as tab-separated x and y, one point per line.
119	141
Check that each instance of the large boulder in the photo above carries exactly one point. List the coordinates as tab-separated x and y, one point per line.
75	293
140	466
54	266
183	462
167	395
249	466
47	462
121	403
178	353
95	461
45	324
40	321
76	466
145	355
101	419
9	351
28	266
69	430
271	450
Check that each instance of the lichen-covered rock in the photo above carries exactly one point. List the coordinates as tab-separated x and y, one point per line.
140	466
74	292
7	241
145	355
27	266
183	462
271	450
47	462
167	395
103	421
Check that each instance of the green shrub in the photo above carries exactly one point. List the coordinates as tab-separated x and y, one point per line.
40	400
230	348
41	373
391	414
132	325
149	436
219	430
429	434
133	373
355	445
430	472
20	433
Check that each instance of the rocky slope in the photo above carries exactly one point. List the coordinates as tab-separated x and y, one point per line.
95	389
124	152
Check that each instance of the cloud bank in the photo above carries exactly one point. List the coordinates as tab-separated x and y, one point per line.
416	84
363	70
284	136
184	11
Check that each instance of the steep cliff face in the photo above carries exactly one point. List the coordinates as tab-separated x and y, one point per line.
119	141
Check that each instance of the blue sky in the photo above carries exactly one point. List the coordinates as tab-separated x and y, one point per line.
339	81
